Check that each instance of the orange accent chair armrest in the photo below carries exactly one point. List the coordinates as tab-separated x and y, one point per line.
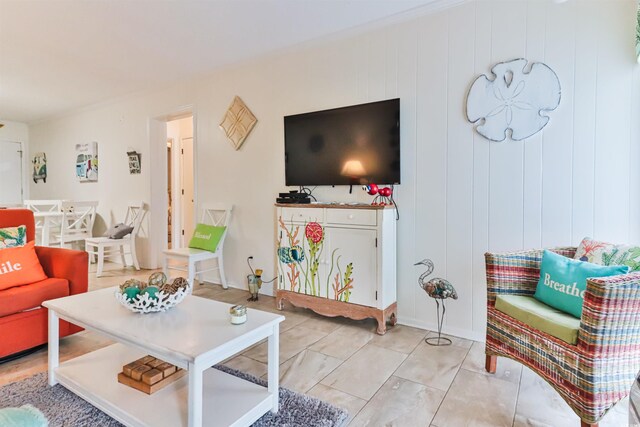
66	264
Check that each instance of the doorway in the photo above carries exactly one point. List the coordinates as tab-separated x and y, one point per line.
180	182
11	190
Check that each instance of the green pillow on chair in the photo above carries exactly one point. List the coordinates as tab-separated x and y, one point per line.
206	237
563	281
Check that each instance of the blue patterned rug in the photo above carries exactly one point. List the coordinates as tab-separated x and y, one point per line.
64	409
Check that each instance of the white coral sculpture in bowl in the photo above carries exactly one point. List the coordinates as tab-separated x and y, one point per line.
168	295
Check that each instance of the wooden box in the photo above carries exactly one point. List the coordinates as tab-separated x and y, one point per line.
149	374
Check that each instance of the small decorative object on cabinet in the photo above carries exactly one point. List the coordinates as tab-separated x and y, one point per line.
384	195
338	260
438	289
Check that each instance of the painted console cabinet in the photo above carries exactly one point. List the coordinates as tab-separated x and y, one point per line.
338	260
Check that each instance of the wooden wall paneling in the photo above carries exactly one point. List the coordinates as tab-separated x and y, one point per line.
481	167
431	154
362	53
584	122
506	172
406	193
558	134
634	160
459	207
376	71
611	221
532	180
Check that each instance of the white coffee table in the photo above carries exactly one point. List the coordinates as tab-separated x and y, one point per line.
194	335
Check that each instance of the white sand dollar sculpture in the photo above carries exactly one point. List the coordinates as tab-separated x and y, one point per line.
513	100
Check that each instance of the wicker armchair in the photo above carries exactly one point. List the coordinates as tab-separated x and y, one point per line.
591	376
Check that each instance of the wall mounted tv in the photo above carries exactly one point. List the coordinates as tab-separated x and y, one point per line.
344	146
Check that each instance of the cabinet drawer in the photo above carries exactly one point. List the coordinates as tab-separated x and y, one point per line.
303	215
351	216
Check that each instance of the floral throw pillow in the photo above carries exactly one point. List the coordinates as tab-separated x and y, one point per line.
13	237
608	254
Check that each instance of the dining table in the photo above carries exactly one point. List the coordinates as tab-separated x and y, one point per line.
45	222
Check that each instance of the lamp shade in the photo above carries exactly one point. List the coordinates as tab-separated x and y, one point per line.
353	169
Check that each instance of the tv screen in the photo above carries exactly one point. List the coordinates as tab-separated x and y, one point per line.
344	146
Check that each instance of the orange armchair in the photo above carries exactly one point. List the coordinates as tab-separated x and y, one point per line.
23	320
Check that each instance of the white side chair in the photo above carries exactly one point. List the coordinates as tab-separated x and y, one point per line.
102	247
76	223
47	215
212	214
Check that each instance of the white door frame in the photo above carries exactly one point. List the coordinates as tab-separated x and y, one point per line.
158	216
27	171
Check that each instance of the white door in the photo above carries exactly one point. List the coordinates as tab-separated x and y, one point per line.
357	248
186	168
11	172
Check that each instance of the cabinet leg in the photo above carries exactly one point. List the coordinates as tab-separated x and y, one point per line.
393	319
279	302
382	323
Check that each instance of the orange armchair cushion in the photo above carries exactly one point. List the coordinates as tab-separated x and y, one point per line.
21	298
20	266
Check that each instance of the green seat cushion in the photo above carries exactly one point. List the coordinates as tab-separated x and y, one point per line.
540	316
206	237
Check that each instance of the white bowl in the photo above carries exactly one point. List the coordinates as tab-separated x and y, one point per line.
144	304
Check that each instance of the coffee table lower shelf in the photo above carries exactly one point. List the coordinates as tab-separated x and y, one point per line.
227	400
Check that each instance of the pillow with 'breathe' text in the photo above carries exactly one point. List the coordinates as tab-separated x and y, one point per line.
206	237
20	266
563	281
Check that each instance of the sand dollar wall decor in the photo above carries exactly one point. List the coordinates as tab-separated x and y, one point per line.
513	100
238	122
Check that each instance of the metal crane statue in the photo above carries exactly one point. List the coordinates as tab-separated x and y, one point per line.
438	289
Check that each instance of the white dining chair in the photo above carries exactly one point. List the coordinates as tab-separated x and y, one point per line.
101	247
47	215
76	223
212	214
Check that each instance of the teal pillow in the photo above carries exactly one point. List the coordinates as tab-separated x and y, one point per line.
206	237
25	416
563	281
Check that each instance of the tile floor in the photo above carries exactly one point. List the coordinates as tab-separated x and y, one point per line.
390	380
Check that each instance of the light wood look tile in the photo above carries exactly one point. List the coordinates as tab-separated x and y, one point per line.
400	402
365	372
394	380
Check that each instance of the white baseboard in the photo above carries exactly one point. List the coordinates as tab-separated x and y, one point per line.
456	332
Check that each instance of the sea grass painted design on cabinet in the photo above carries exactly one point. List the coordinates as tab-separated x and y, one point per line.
295	259
338	260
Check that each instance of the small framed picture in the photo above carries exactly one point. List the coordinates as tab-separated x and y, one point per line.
134	162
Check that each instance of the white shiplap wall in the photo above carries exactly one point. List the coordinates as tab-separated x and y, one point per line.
460	195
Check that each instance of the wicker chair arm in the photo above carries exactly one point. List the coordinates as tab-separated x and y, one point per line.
611	315
516	273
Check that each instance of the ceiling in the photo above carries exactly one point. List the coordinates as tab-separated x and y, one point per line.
56	56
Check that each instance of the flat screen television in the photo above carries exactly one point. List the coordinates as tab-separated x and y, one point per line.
352	145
